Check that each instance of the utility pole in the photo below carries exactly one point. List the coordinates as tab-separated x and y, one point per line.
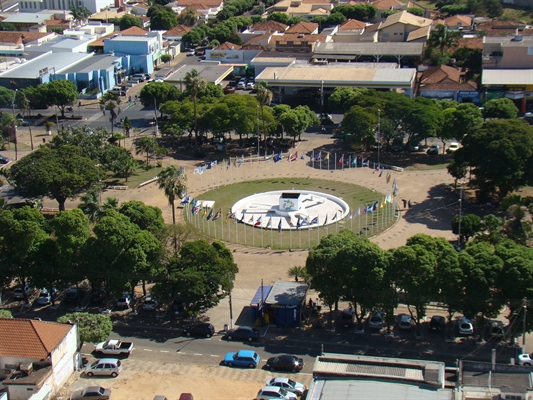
230	305
15	126
460	212
524	306
379	135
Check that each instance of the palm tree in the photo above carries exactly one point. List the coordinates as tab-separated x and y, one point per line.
442	38
128	166
264	96
172	181
297	273
146	144
126	125
90	205
195	84
79	14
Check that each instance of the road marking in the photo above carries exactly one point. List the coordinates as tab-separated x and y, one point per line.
147	349
198	354
179	352
215	355
163	351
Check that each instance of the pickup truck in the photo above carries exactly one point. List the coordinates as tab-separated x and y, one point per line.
114	347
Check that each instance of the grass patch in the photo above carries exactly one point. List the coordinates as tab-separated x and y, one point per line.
426	167
230	230
141	174
517	15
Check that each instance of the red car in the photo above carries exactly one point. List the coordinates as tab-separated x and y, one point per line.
229	89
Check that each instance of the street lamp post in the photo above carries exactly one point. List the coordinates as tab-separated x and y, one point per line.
257	130
379	135
460	211
321	100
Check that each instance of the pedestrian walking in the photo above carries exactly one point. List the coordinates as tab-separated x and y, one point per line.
409	203
404	204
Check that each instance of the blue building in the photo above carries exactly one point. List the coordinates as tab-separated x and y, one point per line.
285	303
143	51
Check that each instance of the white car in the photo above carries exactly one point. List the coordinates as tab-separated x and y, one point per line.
274	392
44	298
104	367
190	53
287	384
375	321
453	147
525	359
19	292
406	322
124	300
250	85
241	84
466	327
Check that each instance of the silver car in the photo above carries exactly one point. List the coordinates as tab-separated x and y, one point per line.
104	367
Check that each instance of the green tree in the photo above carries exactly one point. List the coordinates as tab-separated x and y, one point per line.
442	38
147	145
415	11
499	153
6	314
147	218
61	173
128	21
194	84
79	14
60	93
6	97
127	126
201	276
297	272
188	17
279	17
172	181
264	97
160	92
470	226
174	236
361	124
92	328
166	58
500	108
7	26
163	21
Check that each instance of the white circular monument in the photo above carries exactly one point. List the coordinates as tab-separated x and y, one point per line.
290	209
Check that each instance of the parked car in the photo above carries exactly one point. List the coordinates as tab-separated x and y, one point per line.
325	119
243	333
44	298
454	146
395	148
22	122
190	53
150	303
114	347
347	318
274	392
405	322
229	89
242	84
91	393
4	160
98	296
413	147
287	384
72	295
525	359
250	85
433	150
124	301
252	141
20	293
375	320
496	328
139	77
465	327
436	323
285	362
219	140
286	142
242	358
104	367
199	52
201	330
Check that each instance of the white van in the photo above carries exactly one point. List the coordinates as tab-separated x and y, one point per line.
105	367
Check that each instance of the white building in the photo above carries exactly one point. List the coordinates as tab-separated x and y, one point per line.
32	6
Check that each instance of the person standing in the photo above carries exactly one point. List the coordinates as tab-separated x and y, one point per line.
409	203
404	204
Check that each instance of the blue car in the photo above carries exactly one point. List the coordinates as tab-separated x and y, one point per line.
242	358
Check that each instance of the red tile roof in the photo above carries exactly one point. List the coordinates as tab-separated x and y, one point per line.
134	30
228	46
502	28
209	3
29	338
178	30
352	25
15	37
303	27
387	4
269	26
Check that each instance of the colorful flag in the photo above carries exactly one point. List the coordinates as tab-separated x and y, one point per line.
376	205
279	225
267	158
241	161
327	157
278	157
341	160
318	156
354	162
293	157
290	156
376	169
298	223
381	173
388	177
269	223
210	214
312	156
218	214
205	211
382	204
334	217
389	199
305	221
259	220
242	219
302	157
349	216
358	212
229	163
365	209
290	221
314	221
229	215
251	220
326	220
365	163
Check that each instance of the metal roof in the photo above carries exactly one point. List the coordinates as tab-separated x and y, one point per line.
30	69
287	293
333	389
94	63
507	77
214	73
262	290
28	18
370	48
510	41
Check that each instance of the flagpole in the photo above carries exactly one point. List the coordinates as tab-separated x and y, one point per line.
215	229
290	237
335	161
253	235
218	179
359	233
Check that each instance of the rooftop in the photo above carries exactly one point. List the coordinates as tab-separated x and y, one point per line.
15	37
269	26
178	30
93	63
517	77
132	38
403	17
28	18
501	375
381	48
303	27
510	41
288	293
28	338
30	69
210	72
352	25
228	46
388	4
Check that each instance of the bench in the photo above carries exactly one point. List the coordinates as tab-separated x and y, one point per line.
118	187
147	182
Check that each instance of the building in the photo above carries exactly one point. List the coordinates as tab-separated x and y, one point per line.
507	52
176	33
144	51
295	43
37	357
32	6
398	27
303	28
285	303
13	43
340	376
448	83
306	9
387	5
206	9
455	22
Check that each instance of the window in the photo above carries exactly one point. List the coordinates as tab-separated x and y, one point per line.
395	33
401	33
